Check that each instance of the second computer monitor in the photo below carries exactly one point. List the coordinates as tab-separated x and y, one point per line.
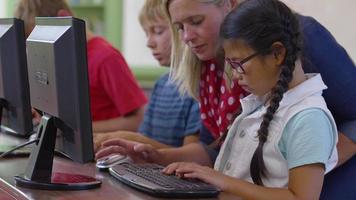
58	77
15	105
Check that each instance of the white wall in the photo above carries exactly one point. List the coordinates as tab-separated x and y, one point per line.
2	8
134	41
337	15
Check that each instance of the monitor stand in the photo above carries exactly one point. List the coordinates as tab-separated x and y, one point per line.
39	168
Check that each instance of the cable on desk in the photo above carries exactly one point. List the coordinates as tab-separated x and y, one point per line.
18	147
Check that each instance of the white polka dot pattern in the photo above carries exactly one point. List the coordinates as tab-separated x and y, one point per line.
218	101
222	89
212	67
211	90
231	101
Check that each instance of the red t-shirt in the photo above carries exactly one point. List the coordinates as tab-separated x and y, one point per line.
114	91
218	104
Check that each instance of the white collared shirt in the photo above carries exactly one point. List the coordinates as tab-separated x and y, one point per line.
235	156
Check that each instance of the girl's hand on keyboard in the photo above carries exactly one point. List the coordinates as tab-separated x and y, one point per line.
138	152
196	171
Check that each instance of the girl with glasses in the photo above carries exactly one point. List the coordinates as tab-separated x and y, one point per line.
284	140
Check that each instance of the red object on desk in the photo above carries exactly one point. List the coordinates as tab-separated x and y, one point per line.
64	178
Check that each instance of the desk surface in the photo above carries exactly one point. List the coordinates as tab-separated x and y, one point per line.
110	188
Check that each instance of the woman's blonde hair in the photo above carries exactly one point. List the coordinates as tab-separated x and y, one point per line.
151	11
185	65
27	10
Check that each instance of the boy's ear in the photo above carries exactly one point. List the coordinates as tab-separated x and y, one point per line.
63	13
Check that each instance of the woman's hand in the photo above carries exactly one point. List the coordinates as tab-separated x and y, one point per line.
138	152
193	170
100	138
36	117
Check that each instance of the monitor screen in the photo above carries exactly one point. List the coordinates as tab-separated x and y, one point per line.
16	117
58	77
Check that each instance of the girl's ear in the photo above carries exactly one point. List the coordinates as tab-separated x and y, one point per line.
234	3
279	52
230	5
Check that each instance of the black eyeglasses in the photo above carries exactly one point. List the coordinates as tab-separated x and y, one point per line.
237	65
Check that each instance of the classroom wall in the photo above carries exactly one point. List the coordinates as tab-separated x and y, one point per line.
2	8
337	15
134	39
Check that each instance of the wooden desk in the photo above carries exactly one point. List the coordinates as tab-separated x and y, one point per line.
110	188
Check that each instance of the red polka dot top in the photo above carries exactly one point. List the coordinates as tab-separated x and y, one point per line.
218	103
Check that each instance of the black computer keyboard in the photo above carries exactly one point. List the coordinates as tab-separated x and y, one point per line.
149	178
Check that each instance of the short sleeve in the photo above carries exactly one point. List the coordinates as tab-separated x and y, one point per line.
146	125
169	116
308	138
120	85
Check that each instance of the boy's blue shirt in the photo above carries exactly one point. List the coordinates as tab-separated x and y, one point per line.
169	116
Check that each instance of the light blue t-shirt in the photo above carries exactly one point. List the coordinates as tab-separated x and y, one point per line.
308	131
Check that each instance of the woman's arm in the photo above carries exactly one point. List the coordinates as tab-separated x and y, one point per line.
191	139
346	148
194	152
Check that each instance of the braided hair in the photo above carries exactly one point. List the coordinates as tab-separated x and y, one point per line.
260	23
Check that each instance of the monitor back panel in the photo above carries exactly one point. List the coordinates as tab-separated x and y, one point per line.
59	81
14	86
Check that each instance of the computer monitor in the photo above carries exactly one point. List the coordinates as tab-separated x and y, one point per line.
58	77
15	107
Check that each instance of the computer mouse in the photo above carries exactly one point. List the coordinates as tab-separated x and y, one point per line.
109	161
